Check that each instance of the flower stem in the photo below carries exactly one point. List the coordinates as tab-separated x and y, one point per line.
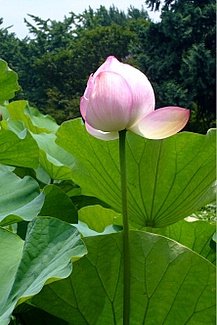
126	249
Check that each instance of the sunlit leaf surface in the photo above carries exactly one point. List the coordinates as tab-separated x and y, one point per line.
20	198
167	179
8	82
170	284
18	150
46	257
194	234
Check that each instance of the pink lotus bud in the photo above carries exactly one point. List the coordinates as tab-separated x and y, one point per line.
119	96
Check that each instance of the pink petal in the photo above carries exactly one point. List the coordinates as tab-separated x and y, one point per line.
110	103
100	134
84	98
143	94
106	65
162	123
83	106
90	84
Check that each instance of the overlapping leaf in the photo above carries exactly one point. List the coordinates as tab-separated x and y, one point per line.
170	284
32	119
194	234
50	244
18	150
98	218
54	159
8	82
11	247
28	140
57	204
20	198
167	179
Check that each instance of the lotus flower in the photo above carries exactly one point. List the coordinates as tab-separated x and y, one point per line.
119	96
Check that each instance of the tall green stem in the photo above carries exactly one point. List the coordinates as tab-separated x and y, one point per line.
126	249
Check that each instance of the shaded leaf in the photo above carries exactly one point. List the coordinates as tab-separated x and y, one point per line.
85	231
54	159
34	316
195	234
11	247
46	257
20	198
57	204
170	284
98	218
19	150
82	200
167	179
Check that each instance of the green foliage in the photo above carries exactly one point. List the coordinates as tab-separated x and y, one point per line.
20	198
198	76
10	47
177	54
11	247
194	234
30	315
17	146
8	82
98	218
179	172
57	201
171	4
52	176
91	19
31	118
61	55
50	244
161	275
45	257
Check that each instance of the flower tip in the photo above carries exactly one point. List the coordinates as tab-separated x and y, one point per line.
111	57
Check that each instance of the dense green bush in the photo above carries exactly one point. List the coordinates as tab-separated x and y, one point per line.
177	54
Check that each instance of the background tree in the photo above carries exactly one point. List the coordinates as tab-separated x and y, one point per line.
10	46
177	54
61	55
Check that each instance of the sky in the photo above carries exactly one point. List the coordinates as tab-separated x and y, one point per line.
13	12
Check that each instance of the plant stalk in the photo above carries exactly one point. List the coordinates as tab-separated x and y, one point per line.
126	248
